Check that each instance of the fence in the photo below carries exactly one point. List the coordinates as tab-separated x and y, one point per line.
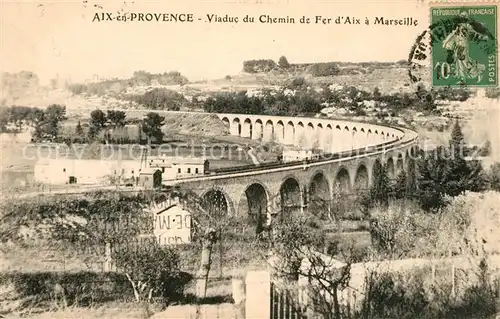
268	298
284	304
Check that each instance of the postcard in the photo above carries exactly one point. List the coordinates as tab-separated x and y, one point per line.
249	159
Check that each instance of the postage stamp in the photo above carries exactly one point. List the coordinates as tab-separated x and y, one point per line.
464	45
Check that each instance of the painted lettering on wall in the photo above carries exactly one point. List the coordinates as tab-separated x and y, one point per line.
172	226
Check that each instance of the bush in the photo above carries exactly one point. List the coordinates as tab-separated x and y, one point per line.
256	66
408	295
80	288
402	230
494	177
493	93
84	288
157	266
324	69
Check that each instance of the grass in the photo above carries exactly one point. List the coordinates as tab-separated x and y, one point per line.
114	310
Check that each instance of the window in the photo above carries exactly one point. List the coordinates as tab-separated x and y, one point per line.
189	170
163	169
64	170
196	170
178	170
132	171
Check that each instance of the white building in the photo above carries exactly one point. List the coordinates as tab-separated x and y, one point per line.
81	171
175	168
290	155
75	171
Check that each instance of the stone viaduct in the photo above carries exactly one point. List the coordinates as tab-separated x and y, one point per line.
321	133
262	190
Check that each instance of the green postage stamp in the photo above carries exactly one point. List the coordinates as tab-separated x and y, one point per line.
464	45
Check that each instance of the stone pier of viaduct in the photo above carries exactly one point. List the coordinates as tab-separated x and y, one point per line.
269	190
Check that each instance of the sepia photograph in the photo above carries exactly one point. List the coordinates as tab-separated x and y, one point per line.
266	159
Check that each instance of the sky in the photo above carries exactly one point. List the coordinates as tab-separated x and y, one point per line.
58	38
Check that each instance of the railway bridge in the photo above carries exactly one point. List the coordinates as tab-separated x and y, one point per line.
350	150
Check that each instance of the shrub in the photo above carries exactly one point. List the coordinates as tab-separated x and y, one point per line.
80	288
324	69
407	295
152	272
256	66
401	230
494	177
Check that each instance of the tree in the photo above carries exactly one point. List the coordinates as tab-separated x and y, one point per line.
376	94
406	100
440	173
380	189
48	123
431	179
79	129
324	69
117	118
429	104
461	174
151	126
411	185
298	82
494	177
148	269
210	220
97	123
296	257
400	186
457	141
283	62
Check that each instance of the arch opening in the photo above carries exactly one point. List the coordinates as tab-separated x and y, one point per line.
390	168
399	164
319	195
269	131
254	204
258	130
215	203
290	133
236	127
279	132
361	181
290	195
299	135
342	182
246	129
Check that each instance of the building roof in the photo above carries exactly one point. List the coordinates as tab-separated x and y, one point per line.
148	171
169	160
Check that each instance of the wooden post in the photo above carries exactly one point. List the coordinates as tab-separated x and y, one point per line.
107	258
433	273
453	293
238	292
